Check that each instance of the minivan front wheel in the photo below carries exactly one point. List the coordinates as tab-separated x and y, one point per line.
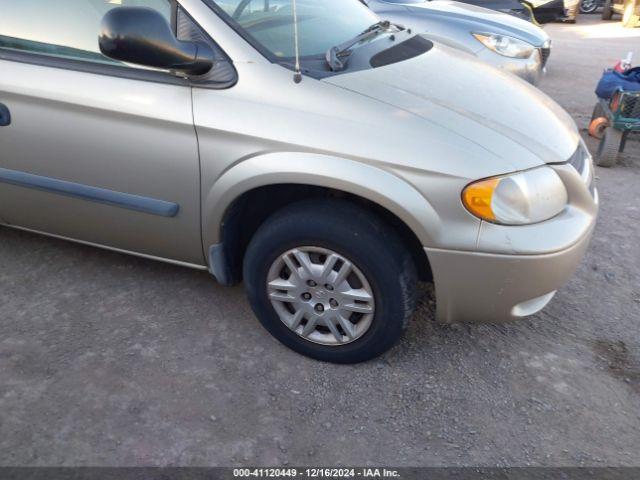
330	280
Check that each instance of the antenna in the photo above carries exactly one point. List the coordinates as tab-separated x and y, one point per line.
297	76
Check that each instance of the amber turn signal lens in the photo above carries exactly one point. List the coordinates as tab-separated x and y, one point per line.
477	198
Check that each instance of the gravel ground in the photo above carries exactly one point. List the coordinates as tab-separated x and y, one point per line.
100	365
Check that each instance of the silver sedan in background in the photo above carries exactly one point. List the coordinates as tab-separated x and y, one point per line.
501	40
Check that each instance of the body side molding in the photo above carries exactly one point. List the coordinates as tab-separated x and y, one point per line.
86	192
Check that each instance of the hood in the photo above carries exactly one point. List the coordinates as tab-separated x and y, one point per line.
480	19
473	103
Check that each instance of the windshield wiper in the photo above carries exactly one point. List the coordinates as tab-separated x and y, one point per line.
335	54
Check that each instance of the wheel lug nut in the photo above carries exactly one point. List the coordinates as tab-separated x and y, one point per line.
311	283
306	296
329	287
333	302
319	308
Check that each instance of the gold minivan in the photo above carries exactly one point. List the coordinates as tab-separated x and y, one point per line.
328	159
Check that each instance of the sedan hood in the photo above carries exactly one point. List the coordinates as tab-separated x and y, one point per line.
513	122
482	20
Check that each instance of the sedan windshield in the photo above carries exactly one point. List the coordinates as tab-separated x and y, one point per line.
322	24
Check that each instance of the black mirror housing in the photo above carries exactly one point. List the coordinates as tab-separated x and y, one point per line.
143	36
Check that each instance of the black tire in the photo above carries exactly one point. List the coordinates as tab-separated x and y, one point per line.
598	111
607	10
609	148
359	236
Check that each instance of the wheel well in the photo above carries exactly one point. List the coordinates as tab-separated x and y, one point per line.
251	209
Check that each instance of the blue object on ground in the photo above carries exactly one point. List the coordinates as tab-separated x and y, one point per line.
612	81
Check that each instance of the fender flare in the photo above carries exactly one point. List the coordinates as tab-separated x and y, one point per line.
375	184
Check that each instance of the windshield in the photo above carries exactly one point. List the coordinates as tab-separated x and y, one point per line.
322	24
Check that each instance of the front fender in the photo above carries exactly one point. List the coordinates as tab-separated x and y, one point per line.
370	182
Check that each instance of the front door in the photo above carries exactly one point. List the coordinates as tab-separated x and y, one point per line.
95	150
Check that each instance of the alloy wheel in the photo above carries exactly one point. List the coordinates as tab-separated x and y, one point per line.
321	295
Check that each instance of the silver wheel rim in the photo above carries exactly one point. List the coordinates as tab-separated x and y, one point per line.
321	295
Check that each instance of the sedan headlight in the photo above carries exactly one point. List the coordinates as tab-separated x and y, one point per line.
504	45
522	198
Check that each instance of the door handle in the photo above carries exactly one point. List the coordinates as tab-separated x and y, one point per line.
5	116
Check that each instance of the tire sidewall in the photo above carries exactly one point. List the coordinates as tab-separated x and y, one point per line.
609	147
598	111
383	272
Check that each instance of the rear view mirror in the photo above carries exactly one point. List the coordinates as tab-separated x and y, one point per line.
143	36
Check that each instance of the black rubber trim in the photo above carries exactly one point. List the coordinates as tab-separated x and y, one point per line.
42	60
174	17
127	201
219	266
203	81
411	48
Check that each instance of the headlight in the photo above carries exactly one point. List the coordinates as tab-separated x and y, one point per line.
506	46
519	199
582	161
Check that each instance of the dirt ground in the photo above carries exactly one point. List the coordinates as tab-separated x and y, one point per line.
112	360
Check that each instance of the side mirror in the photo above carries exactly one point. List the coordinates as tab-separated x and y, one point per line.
143	36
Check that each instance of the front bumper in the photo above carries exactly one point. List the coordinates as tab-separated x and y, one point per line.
478	287
516	270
